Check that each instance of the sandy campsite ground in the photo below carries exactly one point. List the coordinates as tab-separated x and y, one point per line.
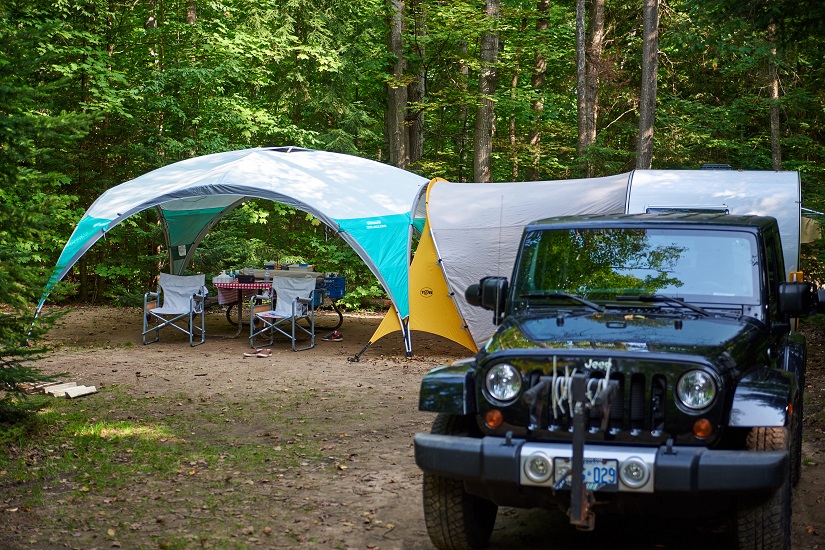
364	492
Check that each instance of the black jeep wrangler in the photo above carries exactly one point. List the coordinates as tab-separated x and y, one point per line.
641	363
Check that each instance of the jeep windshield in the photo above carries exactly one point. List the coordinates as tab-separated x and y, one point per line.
608	265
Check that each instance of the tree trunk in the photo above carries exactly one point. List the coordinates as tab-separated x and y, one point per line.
647	96
485	115
537	81
416	90
581	60
776	148
463	112
513	134
397	138
592	67
191	12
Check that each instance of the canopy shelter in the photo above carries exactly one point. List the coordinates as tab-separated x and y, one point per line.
368	203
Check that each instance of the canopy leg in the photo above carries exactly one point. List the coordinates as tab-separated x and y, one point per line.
358	355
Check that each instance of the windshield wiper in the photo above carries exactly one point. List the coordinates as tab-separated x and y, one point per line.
572	297
672	300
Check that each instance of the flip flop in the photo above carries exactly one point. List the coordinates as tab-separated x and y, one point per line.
255	353
264	353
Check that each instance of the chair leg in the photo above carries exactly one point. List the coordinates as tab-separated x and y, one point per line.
311	332
193	327
265	327
146	330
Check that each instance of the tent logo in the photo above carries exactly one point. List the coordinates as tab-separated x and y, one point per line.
376	224
426	292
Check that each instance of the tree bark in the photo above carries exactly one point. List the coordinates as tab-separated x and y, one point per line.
513	135
776	148
537	82
485	115
647	96
592	67
581	61
397	137
191	12
416	89
463	112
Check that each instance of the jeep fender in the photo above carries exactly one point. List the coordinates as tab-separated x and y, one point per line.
794	357
449	389
762	398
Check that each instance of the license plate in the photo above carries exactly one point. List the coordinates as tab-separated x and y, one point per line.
599	474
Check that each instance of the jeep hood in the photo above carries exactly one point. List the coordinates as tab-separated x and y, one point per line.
705	336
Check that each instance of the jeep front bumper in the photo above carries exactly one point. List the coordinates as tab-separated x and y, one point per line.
501	462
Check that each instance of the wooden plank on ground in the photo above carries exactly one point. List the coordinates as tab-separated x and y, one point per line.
77	391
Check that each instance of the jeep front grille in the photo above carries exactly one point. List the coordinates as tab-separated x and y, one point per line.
636	405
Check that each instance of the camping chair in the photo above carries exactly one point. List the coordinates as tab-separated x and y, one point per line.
294	299
182	297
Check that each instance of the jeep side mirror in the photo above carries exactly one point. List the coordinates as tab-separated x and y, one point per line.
798	299
490	293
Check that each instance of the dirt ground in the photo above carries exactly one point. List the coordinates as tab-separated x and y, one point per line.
373	498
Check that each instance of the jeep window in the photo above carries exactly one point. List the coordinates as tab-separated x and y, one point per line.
600	264
775	269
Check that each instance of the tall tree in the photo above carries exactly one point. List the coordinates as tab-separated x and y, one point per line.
485	114
397	135
595	38
417	86
537	81
773	88
650	72
581	78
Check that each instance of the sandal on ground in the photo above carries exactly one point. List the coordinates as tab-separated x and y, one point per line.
264	353
333	336
257	352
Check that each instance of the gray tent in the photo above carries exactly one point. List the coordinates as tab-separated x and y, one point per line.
476	227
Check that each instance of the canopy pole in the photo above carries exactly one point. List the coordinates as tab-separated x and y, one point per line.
405	331
357	357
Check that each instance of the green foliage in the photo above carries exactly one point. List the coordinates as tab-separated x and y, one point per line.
94	93
19	286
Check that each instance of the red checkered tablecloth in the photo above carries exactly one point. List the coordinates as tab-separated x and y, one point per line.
244	286
228	292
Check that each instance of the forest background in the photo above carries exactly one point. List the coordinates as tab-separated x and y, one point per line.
96	92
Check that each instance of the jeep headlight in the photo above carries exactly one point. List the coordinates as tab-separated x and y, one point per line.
503	382
696	389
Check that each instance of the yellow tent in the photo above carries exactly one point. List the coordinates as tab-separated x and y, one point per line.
432	306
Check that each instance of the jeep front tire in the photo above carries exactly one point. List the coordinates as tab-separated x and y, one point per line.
456	520
764	522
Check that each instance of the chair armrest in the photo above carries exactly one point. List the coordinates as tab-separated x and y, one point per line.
150	300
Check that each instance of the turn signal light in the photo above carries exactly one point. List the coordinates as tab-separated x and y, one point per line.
494	418
702	428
